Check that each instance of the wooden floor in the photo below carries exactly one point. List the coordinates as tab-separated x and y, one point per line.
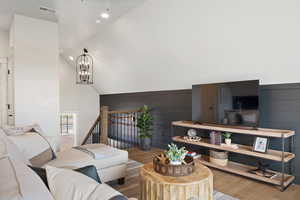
236	186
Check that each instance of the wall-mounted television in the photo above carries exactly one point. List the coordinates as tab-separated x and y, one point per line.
230	103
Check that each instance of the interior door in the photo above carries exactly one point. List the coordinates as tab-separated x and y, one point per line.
3	92
10	92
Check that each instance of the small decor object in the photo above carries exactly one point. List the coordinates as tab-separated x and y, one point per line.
144	123
193	154
215	137
192	139
192	133
261	144
218	157
174	162
227	136
232	146
84	68
175	155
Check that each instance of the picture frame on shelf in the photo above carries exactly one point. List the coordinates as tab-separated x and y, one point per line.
261	144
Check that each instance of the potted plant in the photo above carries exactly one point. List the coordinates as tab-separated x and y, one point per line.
227	136
144	123
175	155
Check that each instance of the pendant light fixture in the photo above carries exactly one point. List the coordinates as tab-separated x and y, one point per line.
84	68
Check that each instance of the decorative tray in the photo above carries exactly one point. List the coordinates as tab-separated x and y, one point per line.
162	166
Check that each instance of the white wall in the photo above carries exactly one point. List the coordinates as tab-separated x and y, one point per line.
3	44
36	73
80	99
172	44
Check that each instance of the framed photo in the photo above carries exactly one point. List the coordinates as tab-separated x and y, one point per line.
261	144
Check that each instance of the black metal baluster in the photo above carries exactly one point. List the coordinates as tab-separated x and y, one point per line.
118	130
131	136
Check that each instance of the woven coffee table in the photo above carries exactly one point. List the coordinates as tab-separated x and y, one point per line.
196	186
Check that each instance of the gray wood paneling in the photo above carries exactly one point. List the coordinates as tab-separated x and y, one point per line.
279	108
167	106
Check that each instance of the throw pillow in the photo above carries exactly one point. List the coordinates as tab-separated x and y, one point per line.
66	184
20	130
89	171
35	148
8	148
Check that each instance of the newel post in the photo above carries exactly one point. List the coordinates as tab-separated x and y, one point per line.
104	124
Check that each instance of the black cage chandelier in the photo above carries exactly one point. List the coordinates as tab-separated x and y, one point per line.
84	68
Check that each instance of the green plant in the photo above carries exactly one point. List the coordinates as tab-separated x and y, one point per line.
176	154
145	122
227	135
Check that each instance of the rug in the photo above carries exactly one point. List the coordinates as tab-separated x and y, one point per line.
133	174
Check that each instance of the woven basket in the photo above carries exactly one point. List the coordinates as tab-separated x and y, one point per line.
166	169
218	157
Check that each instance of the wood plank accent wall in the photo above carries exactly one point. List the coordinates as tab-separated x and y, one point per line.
279	107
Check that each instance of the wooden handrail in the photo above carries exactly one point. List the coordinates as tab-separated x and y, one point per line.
123	111
91	129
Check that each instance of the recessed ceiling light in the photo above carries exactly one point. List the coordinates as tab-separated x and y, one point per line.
98	21
71	58
105	15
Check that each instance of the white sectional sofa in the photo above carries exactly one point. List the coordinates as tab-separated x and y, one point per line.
14	168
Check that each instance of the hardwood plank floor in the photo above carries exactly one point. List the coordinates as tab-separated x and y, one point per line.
236	186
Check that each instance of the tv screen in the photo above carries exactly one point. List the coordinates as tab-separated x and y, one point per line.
231	103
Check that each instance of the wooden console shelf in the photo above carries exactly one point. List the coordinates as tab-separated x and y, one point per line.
282	179
243	170
243	149
237	129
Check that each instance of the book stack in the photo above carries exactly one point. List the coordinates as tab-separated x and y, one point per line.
193	154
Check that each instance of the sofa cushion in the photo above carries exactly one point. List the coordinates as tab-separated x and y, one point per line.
35	147
9	187
19	182
74	158
67	184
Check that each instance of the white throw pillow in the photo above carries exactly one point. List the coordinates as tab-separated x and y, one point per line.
66	184
19	182
35	147
10	149
20	130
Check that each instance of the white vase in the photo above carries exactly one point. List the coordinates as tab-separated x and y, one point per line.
228	141
176	162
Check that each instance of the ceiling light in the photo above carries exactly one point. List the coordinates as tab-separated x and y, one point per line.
71	58
84	68
98	21
105	15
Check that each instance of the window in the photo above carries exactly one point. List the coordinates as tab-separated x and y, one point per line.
67	123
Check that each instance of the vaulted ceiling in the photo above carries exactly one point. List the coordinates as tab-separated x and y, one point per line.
76	18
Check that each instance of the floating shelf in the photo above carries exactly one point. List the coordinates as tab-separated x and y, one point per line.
243	170
237	129
243	149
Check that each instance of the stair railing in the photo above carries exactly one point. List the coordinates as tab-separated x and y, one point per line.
115	128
